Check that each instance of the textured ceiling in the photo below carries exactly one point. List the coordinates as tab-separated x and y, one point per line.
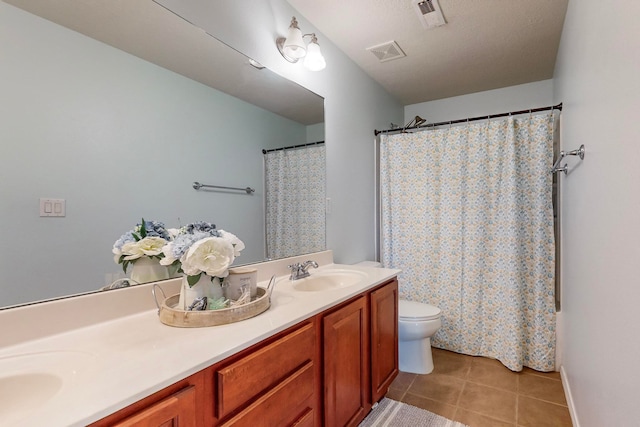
151	32
486	44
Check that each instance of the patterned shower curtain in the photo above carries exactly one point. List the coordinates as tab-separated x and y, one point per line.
466	213
295	201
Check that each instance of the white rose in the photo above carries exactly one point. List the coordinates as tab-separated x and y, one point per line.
212	256
117	253
238	245
132	251
167	250
152	246
148	246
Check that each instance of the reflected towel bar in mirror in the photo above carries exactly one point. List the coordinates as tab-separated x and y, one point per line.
198	186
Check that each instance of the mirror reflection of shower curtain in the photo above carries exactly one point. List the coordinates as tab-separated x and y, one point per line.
295	201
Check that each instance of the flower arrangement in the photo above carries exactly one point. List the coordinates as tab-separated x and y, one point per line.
201	248
145	240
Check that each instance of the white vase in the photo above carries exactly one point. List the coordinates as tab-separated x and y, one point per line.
147	269
203	288
173	271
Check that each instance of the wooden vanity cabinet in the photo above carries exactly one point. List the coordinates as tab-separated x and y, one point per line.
274	383
325	371
177	405
346	367
383	303
360	344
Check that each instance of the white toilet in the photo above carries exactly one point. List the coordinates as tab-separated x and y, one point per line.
416	325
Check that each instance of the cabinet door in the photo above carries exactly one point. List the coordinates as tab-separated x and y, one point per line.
384	339
346	370
177	410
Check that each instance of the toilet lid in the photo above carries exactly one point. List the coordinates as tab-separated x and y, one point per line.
413	310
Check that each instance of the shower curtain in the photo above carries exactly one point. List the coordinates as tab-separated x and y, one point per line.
294	201
466	213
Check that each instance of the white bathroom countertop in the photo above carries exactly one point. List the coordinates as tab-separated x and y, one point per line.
108	365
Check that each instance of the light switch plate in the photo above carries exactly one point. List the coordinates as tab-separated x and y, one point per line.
53	207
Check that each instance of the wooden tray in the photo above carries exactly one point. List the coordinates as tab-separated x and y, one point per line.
171	316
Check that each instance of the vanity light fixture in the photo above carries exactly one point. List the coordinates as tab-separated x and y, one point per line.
293	48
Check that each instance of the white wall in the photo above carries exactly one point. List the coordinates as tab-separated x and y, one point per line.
315	133
597	79
118	138
355	105
513	98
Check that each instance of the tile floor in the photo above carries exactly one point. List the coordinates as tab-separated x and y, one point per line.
482	392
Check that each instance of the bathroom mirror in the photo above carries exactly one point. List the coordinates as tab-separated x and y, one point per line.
115	109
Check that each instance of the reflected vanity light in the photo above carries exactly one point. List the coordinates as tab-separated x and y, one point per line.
255	64
293	48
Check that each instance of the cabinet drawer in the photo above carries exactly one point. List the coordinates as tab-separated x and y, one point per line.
289	403
252	375
305	420
179	409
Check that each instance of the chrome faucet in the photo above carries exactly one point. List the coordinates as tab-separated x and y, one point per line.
300	270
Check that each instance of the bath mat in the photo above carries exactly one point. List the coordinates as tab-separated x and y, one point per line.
396	414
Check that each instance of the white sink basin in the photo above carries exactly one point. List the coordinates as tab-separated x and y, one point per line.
28	381
326	280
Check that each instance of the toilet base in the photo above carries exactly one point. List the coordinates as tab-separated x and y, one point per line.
415	356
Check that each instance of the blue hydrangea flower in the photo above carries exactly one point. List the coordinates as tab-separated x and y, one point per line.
201	226
156	229
183	242
125	238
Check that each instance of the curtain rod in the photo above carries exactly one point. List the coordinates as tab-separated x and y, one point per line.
472	119
292	146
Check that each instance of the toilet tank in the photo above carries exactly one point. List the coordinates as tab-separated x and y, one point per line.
369	264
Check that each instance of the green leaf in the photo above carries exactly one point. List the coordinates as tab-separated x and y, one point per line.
179	265
125	264
136	237
143	230
192	280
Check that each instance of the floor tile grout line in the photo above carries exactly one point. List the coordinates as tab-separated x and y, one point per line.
542	400
406	391
489	416
430	398
498	419
460	395
541	376
517	408
492	387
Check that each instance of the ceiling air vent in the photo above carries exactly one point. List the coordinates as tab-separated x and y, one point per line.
429	13
387	51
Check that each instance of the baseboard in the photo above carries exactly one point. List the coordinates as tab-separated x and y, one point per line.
569	397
